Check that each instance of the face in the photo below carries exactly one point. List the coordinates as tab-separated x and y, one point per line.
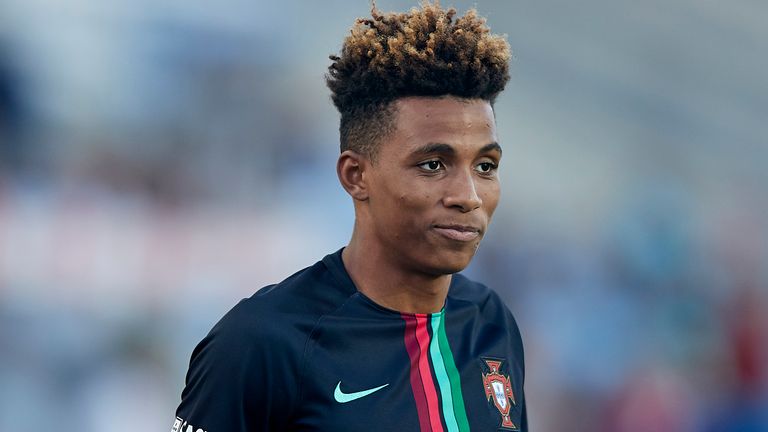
434	183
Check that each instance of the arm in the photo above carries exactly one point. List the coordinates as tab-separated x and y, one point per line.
240	378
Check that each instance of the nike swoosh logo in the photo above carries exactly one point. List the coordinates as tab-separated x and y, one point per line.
342	397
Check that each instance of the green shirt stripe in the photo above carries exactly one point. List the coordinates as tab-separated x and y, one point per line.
453	376
442	375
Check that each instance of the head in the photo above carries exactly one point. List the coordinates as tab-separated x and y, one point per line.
419	151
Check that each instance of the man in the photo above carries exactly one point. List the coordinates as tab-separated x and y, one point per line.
383	335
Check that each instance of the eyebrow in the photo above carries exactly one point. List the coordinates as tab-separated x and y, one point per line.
448	150
491	147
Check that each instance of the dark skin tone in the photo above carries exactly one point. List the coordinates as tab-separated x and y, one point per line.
423	203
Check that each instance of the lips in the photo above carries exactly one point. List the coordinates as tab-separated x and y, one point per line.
463	233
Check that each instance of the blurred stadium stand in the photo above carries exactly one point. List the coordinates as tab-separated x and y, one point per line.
160	161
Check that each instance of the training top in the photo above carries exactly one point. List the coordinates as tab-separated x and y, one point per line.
312	353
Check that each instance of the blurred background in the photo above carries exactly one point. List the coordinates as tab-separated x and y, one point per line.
160	161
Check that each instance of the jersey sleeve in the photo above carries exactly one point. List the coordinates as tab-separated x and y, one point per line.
240	377
516	341
498	309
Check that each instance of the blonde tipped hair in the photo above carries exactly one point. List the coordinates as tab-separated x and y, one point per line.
427	51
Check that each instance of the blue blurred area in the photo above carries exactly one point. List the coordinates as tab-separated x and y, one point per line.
160	161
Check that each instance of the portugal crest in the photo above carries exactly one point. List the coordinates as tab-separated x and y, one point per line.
498	388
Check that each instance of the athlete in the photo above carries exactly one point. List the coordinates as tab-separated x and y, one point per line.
384	335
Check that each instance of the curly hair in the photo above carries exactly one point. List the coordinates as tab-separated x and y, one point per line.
424	52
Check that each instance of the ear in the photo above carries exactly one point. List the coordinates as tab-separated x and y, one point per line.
352	169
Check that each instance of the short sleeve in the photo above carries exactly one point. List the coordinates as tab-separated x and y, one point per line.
241	377
497	308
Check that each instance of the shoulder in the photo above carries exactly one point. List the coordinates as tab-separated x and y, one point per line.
486	302
285	311
230	383
466	290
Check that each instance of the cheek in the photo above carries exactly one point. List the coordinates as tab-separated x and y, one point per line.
490	197
403	204
416	200
412	211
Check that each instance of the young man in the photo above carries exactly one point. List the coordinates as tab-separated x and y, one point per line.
383	335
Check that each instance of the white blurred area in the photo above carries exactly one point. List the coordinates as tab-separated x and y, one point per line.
161	160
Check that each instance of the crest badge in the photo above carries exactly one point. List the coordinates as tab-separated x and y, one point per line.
498	388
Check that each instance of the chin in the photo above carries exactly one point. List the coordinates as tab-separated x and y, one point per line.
451	263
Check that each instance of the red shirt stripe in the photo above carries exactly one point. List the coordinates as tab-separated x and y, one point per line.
412	346
422	336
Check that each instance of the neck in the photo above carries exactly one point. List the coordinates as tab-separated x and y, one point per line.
390	284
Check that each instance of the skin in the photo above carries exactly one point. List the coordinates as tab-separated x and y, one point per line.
424	202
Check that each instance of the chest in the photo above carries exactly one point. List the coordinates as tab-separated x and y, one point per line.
415	373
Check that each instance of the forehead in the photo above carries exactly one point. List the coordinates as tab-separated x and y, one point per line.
446	120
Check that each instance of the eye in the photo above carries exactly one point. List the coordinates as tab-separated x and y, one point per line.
486	167
432	165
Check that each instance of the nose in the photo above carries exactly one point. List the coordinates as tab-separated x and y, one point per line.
461	192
